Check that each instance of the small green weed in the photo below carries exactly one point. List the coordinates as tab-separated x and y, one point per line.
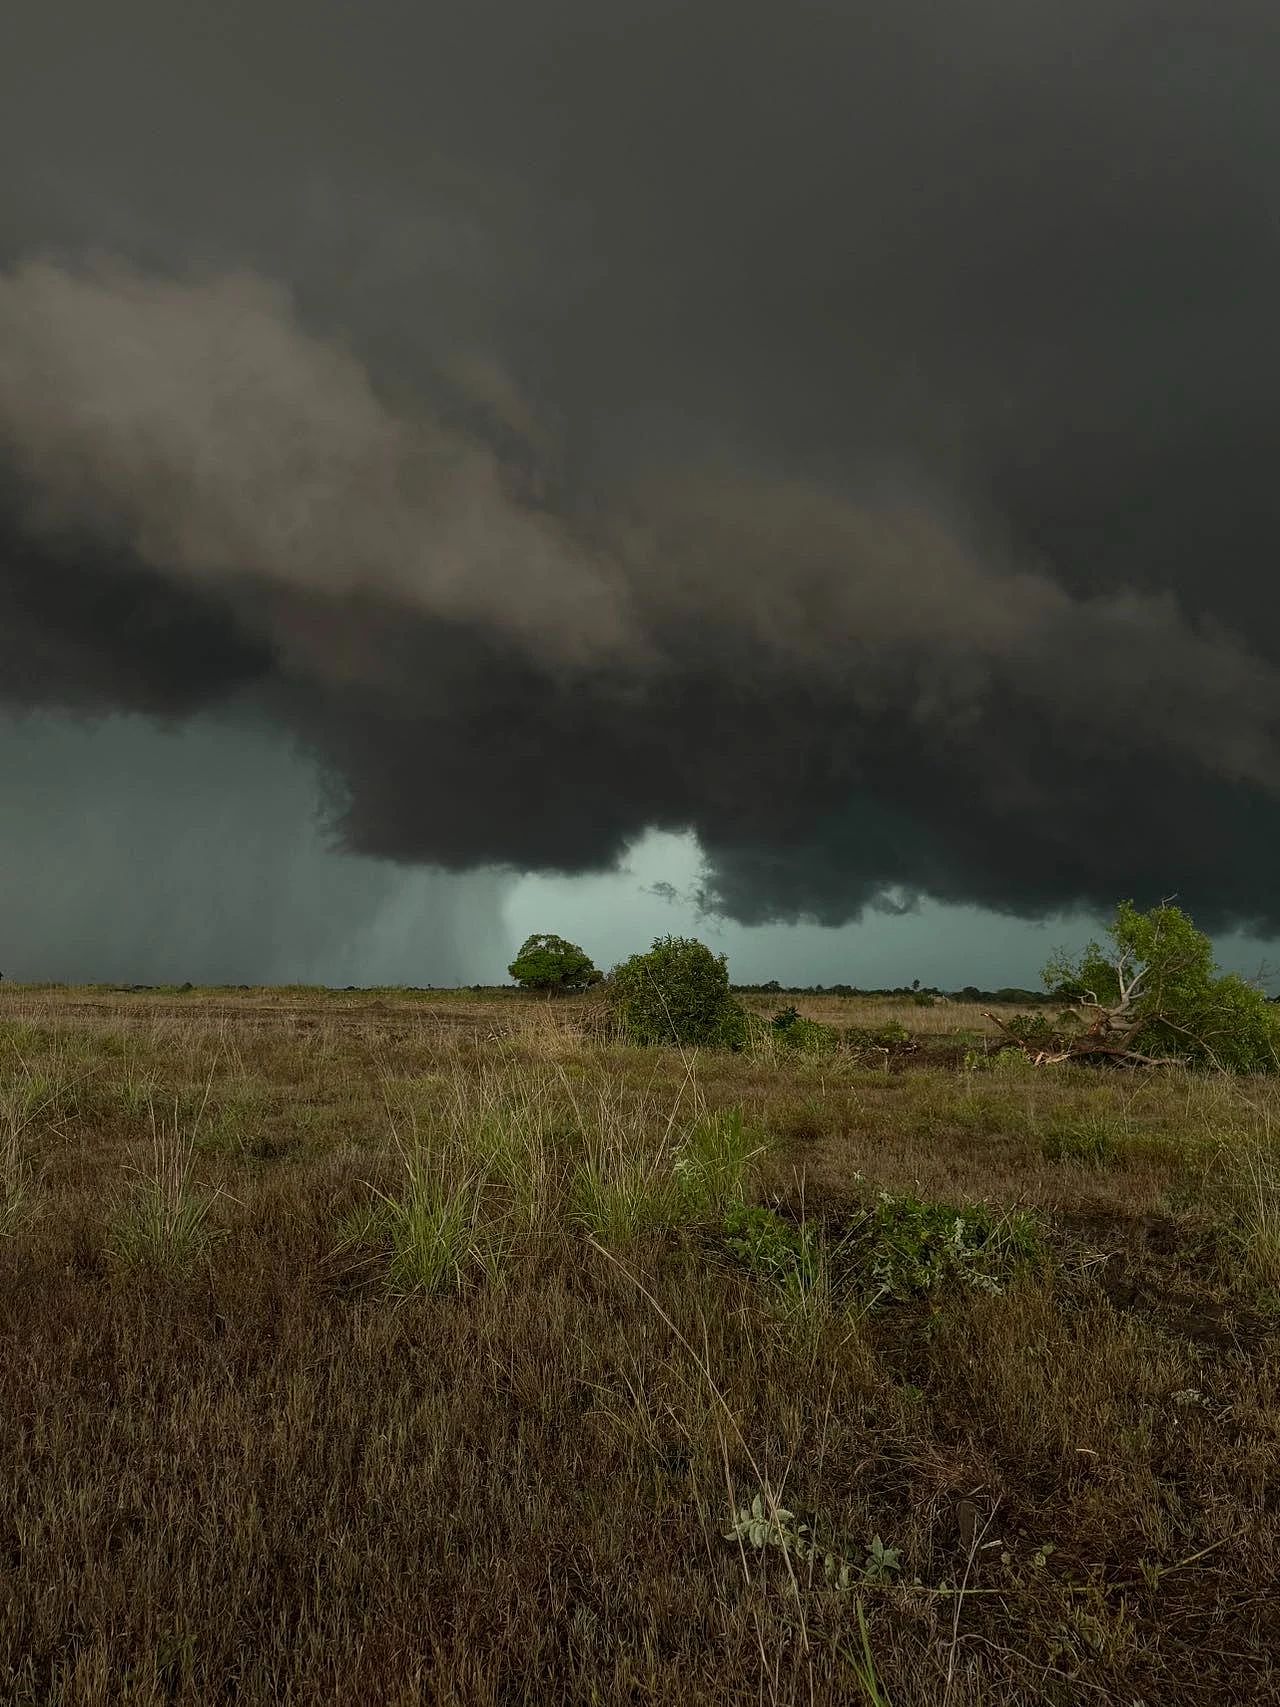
764	1524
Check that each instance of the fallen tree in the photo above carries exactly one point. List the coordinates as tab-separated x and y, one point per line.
1152	998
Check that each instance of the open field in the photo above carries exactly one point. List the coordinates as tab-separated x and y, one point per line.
416	1347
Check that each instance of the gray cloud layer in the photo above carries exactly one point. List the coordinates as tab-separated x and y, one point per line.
847	433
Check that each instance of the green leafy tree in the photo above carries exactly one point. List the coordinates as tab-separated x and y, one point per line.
550	963
1154	994
678	993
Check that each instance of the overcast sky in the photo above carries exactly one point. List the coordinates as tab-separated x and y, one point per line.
820	459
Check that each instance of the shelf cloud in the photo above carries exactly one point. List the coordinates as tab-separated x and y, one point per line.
847	435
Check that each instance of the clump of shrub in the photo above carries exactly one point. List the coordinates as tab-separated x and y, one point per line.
1089	1142
711	1163
900	1249
784	1253
805	1036
917	1246
618	1198
891	1039
1009	1061
164	1221
678	993
430	1235
1032	1031
620	1192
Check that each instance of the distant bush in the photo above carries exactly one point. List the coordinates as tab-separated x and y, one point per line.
805	1036
891	1038
678	993
550	963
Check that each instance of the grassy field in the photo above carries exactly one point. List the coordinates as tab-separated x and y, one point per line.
389	1348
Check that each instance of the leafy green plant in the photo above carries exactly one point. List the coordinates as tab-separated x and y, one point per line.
678	993
1007	1060
764	1524
1033	1031
802	1271
900	1249
784	1253
551	963
882	1563
914	1247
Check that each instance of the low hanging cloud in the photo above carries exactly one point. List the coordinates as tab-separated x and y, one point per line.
876	479
202	427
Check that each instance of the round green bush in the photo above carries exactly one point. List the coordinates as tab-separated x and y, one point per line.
678	993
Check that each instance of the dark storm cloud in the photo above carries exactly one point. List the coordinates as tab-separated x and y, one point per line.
86	626
848	432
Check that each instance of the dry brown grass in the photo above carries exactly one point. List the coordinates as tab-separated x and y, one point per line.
942	1019
272	1472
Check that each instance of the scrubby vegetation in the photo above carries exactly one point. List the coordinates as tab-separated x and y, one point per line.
444	1347
1153	995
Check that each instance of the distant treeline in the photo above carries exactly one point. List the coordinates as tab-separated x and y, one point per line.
904	992
919	993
